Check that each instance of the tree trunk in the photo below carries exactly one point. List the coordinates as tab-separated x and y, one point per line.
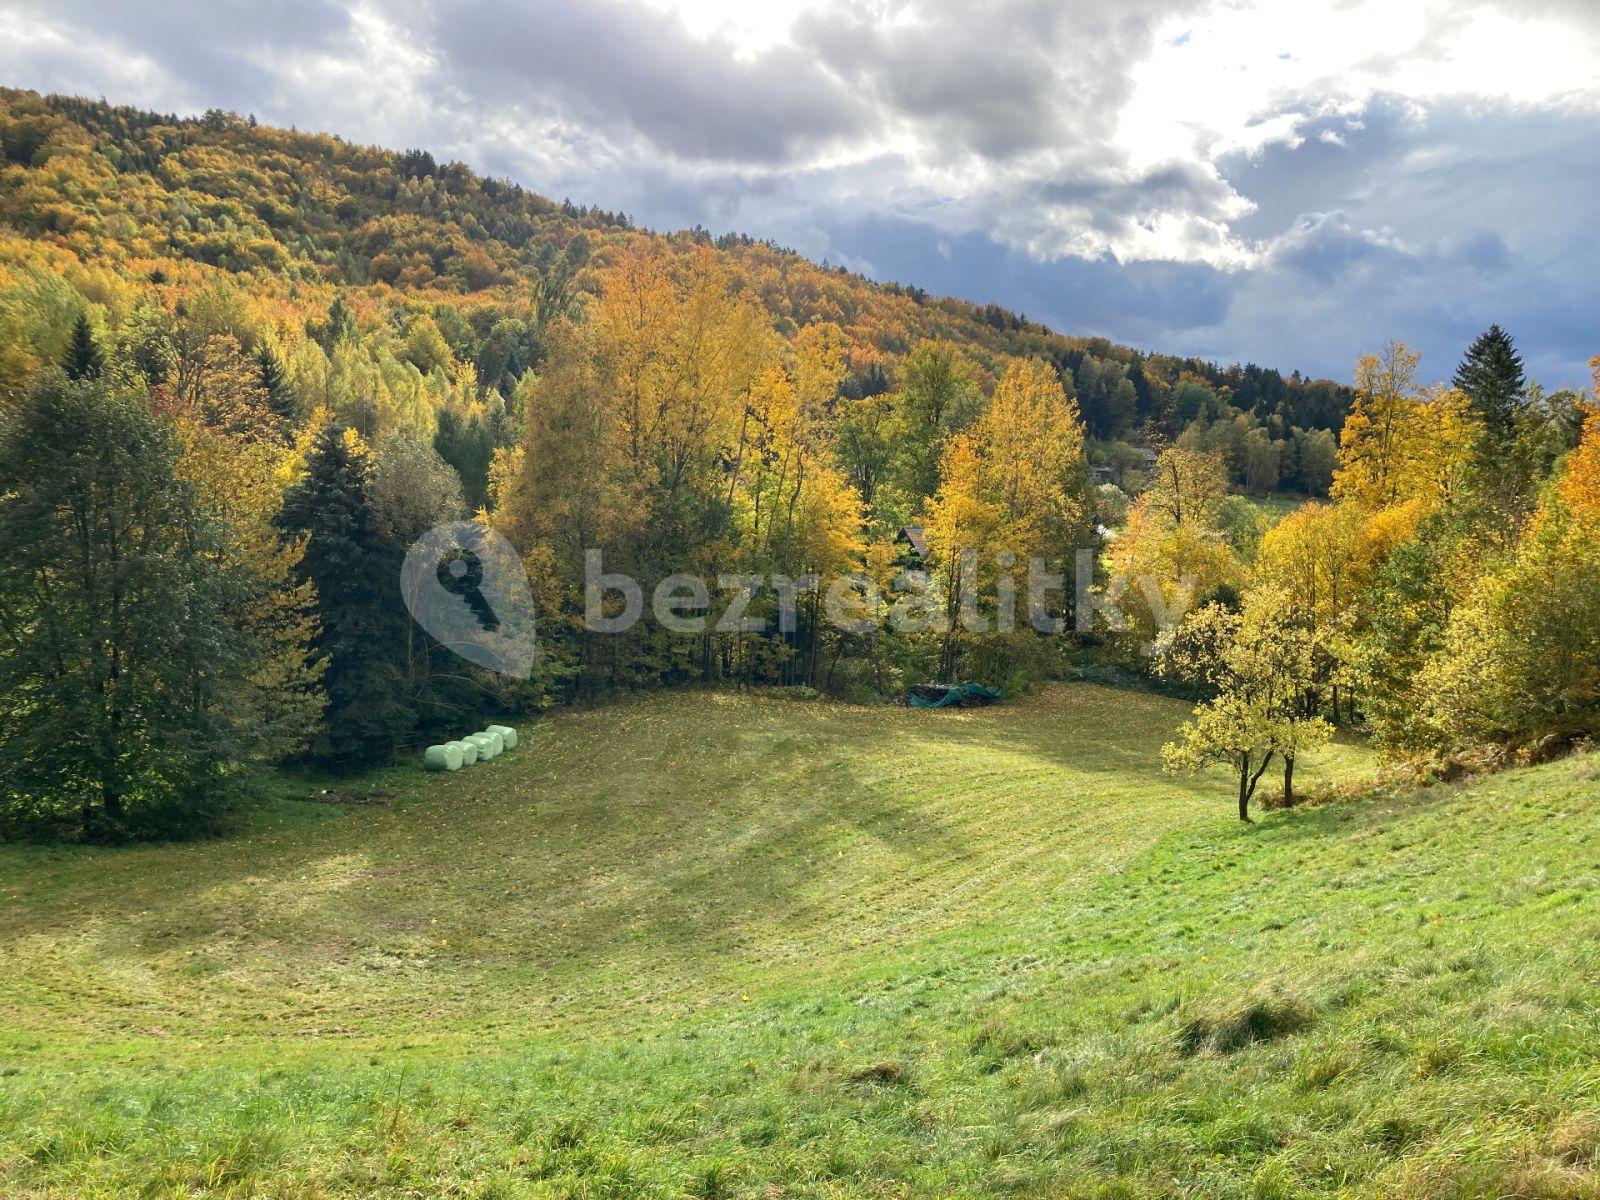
1248	781
1288	781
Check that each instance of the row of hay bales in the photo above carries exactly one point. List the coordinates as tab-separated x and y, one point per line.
452	756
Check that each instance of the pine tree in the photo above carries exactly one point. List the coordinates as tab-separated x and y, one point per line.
275	383
83	359
1491	377
356	576
339	327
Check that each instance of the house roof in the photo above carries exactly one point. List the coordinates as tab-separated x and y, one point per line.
915	536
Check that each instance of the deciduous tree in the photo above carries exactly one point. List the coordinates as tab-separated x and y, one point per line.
1256	661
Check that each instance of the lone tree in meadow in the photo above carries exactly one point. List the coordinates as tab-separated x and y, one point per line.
1259	663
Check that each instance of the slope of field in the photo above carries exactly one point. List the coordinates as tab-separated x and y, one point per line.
716	945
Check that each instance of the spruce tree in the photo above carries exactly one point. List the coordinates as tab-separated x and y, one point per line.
1491	377
275	383
83	359
339	327
356	575
120	666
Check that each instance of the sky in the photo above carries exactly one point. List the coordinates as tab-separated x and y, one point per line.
1288	182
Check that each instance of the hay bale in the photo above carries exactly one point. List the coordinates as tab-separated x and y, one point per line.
486	745
499	742
469	751
507	734
442	758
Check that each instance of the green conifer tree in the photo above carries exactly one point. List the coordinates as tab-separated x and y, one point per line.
83	359
356	574
1491	376
121	669
275	383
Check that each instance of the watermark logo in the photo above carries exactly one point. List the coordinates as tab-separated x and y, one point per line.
466	585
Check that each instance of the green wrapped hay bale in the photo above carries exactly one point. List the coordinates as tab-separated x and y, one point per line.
507	735
469	752
442	758
499	742
485	744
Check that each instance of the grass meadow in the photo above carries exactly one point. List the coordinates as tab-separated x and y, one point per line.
710	944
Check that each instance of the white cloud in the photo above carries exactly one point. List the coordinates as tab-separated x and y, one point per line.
781	107
1249	137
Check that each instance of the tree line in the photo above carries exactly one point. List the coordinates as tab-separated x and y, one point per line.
242	370
1447	600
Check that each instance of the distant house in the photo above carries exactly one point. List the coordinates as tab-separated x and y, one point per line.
1103	473
913	543
1146	455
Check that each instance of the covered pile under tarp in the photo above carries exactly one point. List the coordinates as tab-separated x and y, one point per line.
942	695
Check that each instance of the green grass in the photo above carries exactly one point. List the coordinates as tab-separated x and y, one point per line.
706	944
1275	506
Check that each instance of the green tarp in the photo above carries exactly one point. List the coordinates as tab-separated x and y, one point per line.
933	696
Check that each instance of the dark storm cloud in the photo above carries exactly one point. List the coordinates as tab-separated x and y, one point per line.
1141	303
1326	250
177	30
1436	225
1112	202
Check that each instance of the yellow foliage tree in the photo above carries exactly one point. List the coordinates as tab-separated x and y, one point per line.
1186	486
964	530
1029	442
1580	481
1256	661
237	481
1172	554
1324	557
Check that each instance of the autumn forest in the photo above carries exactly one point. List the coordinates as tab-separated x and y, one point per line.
244	368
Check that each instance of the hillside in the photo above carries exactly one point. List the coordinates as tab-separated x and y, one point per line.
711	944
136	200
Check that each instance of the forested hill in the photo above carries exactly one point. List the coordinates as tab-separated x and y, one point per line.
286	360
103	204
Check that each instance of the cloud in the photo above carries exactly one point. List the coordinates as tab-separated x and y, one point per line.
1238	178
638	71
204	48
